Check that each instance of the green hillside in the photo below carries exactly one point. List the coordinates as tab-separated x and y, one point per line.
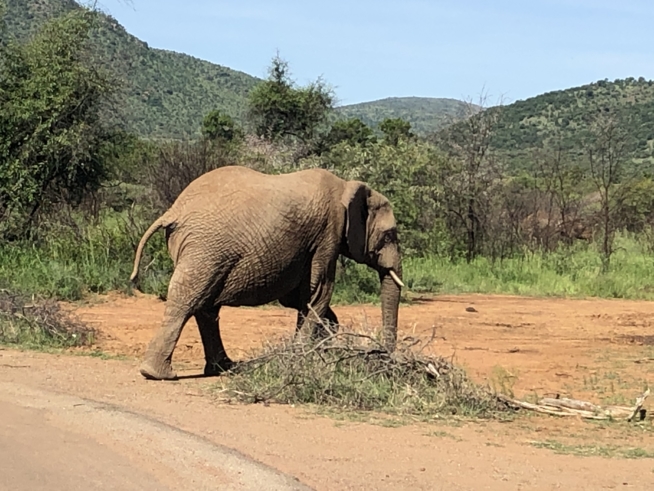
565	115
164	94
426	114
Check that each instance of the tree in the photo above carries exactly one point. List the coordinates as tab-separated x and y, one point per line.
353	131
607	150
560	180
278	109
472	174
218	126
407	174
396	130
51	137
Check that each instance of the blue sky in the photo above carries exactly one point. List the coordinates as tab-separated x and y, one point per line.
370	50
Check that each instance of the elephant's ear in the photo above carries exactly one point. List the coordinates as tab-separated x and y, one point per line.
355	201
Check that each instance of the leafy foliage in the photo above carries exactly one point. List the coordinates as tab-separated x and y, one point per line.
278	109
396	130
407	174
51	141
221	127
353	131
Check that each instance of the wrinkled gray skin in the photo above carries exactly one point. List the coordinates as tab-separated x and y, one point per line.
238	237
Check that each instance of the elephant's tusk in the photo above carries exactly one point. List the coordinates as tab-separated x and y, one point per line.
396	278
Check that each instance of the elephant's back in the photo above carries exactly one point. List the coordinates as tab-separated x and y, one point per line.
238	205
228	185
220	180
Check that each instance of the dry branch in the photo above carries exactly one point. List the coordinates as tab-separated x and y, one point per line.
352	370
573	407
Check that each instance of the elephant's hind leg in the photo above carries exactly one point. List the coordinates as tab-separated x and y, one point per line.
215	355
183	299
157	363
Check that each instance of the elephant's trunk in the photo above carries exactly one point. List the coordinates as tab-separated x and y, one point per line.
390	300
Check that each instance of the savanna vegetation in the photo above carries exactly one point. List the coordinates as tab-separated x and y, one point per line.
77	189
561	119
551	196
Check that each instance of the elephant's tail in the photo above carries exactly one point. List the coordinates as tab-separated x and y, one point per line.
160	222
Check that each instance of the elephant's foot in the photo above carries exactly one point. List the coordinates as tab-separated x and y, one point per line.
164	372
324	330
218	367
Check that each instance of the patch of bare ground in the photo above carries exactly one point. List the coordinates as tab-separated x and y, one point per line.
593	350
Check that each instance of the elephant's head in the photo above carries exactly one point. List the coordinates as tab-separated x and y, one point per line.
370	237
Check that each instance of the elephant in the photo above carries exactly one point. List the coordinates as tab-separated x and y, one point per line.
239	237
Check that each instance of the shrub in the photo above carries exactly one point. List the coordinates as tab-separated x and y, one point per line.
352	370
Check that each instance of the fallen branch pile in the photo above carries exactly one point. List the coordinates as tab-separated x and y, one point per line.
572	407
353	370
39	322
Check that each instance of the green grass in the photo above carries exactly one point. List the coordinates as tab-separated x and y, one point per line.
76	260
574	272
82	258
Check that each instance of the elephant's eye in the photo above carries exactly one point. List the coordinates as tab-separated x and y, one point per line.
390	236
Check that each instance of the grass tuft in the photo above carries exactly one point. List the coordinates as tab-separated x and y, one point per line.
351	370
38	323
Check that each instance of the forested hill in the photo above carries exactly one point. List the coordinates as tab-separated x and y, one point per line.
164	94
565	116
426	114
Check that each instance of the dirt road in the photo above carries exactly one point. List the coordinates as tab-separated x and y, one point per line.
594	349
51	441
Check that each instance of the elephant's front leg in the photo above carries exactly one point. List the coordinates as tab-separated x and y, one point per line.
319	319
332	320
215	355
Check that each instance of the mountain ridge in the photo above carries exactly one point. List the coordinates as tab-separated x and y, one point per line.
164	94
426	114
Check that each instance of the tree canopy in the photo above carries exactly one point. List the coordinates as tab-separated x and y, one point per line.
279	109
51	139
220	126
